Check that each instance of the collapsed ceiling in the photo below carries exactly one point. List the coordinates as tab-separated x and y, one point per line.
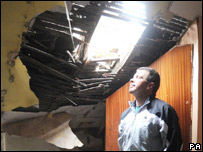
58	79
59	73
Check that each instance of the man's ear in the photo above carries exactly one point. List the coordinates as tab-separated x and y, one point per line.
151	85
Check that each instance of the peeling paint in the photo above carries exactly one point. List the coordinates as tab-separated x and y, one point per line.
14	76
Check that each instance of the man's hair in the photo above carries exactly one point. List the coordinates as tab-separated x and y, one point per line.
152	77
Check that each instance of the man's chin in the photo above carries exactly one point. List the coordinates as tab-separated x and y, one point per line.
131	91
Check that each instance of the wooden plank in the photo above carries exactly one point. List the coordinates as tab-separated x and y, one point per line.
69	100
51	71
95	79
50	56
175	69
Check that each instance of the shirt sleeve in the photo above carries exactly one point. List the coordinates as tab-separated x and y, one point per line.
120	130
174	138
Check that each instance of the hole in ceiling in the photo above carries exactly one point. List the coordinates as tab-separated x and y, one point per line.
114	39
116	42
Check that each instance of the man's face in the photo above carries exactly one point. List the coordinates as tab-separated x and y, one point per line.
138	84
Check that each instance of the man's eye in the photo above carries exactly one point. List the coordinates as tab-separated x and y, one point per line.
138	77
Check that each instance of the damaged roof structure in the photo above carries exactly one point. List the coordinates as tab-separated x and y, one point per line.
60	74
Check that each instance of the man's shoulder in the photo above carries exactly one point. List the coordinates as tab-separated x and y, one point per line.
125	113
160	103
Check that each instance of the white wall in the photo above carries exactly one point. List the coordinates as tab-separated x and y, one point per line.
18	143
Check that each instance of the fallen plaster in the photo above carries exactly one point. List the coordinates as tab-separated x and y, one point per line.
54	130
19	143
79	115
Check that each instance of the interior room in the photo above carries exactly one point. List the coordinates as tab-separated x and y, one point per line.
66	68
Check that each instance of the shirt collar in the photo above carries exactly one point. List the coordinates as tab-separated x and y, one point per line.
133	104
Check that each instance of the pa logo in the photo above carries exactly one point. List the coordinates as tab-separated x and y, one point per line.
197	146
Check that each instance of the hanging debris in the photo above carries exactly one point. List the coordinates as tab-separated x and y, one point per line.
59	73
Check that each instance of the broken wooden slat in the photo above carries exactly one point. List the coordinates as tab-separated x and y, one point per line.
174	24
49	55
93	88
51	71
50	79
120	13
53	85
69	100
105	59
86	99
94	79
97	83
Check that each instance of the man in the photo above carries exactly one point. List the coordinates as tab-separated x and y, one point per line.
149	124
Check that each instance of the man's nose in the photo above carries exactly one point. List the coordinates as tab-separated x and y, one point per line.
132	80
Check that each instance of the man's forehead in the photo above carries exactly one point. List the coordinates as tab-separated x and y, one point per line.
142	72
